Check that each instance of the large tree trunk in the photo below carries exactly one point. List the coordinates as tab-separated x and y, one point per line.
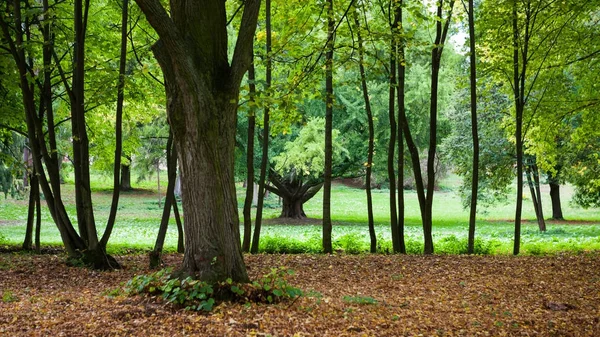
292	208
202	93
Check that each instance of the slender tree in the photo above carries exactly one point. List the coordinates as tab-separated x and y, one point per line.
327	226
250	160
369	165
264	164
474	130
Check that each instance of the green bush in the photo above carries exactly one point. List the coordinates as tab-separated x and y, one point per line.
200	296
351	243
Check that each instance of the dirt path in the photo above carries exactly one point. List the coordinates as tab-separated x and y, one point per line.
367	295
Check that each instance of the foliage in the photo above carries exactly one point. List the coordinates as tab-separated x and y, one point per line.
198	295
305	156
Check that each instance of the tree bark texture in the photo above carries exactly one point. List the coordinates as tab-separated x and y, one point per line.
202	93
327	226
126	177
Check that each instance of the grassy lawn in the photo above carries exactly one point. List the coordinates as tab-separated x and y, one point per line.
139	216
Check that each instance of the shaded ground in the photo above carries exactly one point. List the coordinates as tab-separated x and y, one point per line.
371	295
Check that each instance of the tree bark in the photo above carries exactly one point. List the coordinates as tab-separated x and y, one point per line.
327	225
474	132
250	161
28	241
369	166
555	197
118	128
401	67
126	177
155	255
436	57
392	141
519	106
264	164
202	93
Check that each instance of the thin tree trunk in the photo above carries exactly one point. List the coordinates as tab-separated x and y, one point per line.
540	213
519	105
118	129
155	255
327	225
158	183
365	90
392	140
180	234
436	57
474	131
401	61
38	218
264	164
28	241
250	161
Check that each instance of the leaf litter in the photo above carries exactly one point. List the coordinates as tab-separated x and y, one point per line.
345	295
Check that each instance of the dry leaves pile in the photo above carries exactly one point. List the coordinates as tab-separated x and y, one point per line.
369	295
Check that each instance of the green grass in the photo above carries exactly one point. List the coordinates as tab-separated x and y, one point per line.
139	217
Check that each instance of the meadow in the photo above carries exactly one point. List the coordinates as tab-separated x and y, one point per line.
139	215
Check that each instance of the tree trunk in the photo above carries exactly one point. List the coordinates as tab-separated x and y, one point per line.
401	66
156	253
264	164
519	105
292	208
555	197
531	171
126	177
436	57
118	128
28	241
474	132
180	233
365	90
202	94
250	162
327	225
392	141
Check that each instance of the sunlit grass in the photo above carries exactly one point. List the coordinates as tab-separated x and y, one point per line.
139	215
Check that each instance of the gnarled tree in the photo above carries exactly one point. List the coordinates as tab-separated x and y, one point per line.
202	88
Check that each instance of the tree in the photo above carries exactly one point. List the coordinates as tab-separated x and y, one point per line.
298	172
327	226
369	163
202	89
474	131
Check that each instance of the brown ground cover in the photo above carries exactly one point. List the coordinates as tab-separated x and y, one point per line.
365	295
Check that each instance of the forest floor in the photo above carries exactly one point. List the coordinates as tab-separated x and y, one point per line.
345	295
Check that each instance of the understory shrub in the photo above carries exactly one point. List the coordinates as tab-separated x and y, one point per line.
192	294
